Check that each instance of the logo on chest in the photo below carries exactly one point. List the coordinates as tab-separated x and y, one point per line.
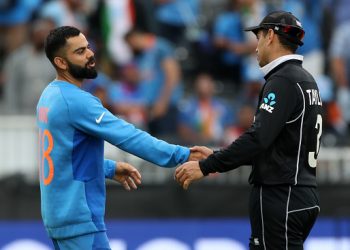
269	102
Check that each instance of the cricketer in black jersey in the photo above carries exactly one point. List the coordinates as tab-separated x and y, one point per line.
282	144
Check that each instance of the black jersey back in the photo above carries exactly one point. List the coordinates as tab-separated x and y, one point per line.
292	156
283	143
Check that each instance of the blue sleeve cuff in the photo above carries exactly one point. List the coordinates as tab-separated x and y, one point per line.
109	168
184	154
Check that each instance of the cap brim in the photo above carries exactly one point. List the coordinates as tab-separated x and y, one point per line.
253	28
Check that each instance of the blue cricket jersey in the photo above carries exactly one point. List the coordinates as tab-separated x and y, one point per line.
73	126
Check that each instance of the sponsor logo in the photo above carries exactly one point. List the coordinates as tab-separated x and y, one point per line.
256	242
98	120
269	102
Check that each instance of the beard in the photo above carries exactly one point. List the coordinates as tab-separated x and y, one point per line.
79	72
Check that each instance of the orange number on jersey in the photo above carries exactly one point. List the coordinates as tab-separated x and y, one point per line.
45	155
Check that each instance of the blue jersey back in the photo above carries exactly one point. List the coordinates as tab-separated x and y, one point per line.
73	126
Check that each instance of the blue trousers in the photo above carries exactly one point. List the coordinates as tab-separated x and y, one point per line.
93	241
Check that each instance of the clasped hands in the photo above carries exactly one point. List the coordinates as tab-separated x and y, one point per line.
185	174
190	171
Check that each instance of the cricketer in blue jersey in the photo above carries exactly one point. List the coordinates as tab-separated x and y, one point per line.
73	126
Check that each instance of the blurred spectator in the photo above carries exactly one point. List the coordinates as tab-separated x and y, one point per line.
234	46
14	12
119	18
244	120
121	92
340	67
204	118
126	97
161	75
116	18
340	10
27	71
144	15
66	12
14	15
175	16
99	87
228	30
251	13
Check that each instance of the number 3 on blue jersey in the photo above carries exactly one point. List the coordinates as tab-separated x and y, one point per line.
313	155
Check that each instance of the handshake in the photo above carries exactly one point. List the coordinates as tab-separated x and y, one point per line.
185	174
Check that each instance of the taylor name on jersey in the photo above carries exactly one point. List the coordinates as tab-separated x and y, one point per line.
314	97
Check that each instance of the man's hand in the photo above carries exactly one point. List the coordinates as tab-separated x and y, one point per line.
127	175
187	173
199	153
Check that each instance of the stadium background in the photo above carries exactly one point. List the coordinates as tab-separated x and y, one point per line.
160	215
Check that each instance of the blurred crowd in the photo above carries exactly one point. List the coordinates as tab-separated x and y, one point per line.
184	70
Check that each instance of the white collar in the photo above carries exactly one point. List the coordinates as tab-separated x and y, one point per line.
270	66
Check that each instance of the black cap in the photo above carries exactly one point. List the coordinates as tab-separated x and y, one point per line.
283	23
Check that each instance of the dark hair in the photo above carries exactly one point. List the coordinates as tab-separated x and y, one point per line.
288	44
57	39
284	42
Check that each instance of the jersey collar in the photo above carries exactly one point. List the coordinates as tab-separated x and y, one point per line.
270	66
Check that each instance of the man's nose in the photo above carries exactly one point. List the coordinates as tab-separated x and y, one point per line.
90	53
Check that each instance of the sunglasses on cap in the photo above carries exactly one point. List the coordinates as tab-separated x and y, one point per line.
293	33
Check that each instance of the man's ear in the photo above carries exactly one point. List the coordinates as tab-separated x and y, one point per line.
270	35
60	63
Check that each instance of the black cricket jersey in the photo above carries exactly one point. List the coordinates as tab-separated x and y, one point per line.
284	140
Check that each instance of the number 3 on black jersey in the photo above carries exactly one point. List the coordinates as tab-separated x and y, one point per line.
313	155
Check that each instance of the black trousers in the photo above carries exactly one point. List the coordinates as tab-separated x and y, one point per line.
281	217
